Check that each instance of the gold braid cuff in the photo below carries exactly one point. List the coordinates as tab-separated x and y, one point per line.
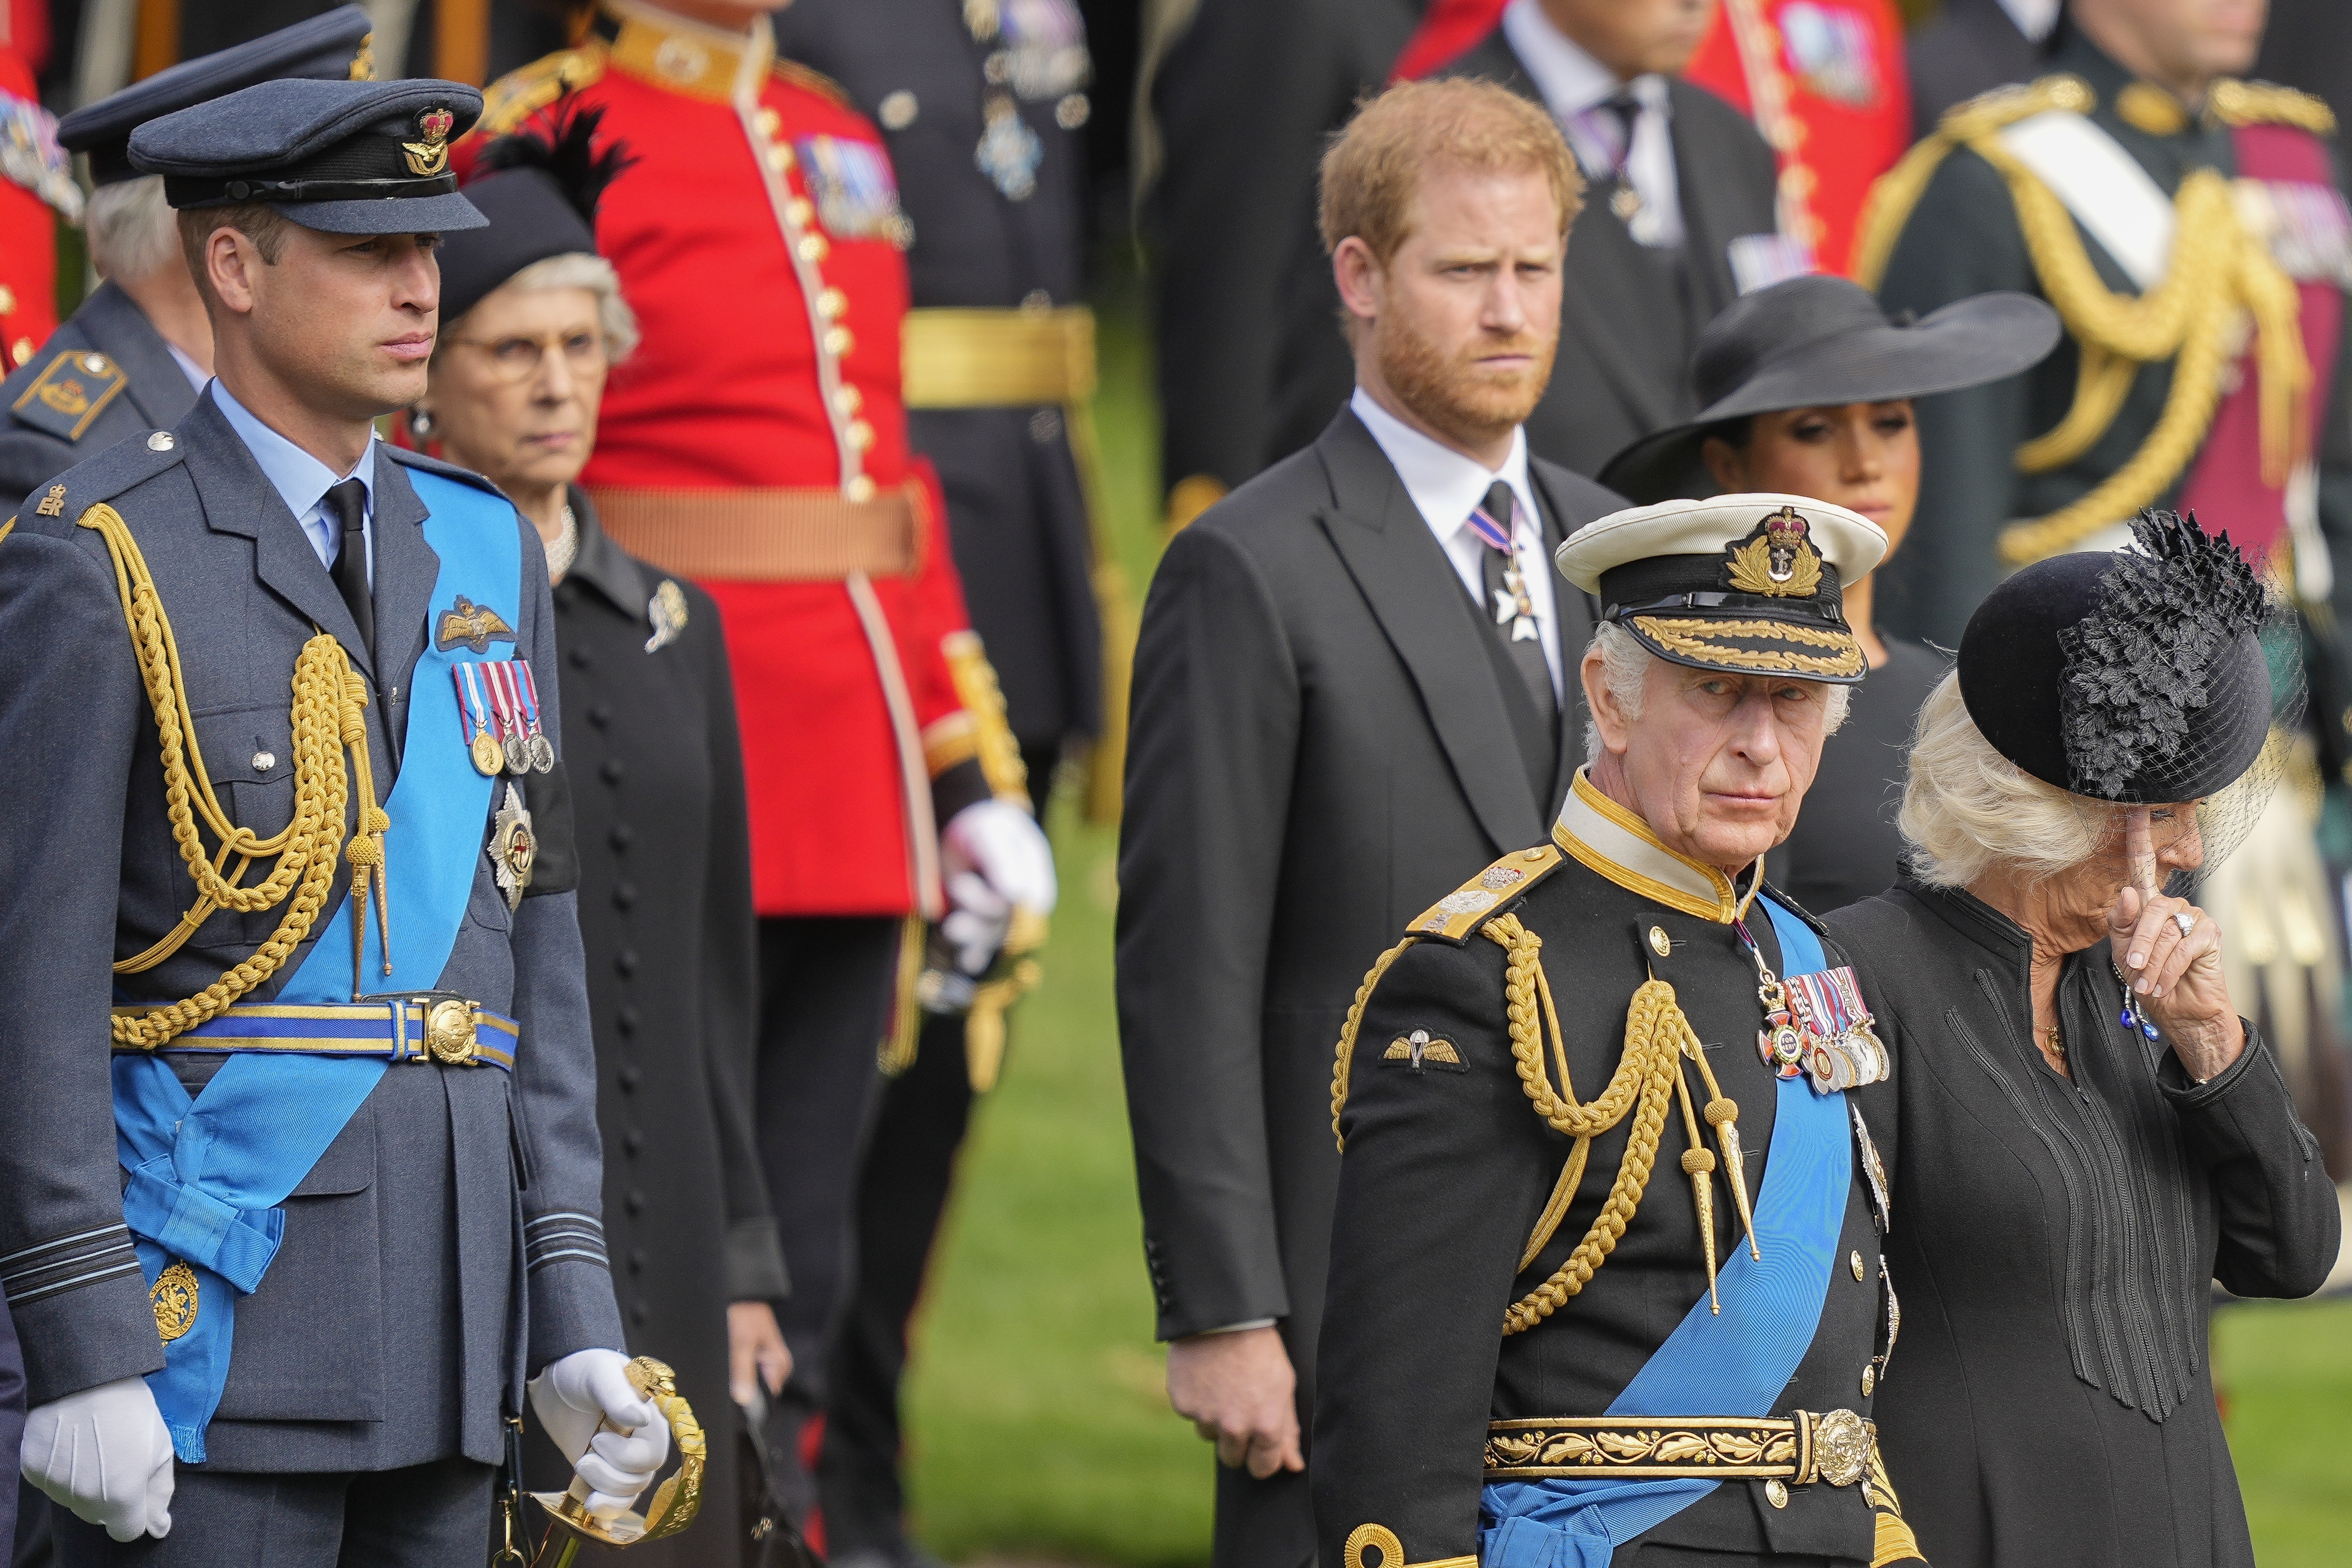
327	719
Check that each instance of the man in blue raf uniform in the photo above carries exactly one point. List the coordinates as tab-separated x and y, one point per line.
282	1268
134	357
1605	1282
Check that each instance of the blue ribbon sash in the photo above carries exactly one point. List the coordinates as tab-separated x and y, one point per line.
208	1173
1737	1363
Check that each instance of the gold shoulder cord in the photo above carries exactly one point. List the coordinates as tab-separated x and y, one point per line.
329	697
2217	269
1657	1038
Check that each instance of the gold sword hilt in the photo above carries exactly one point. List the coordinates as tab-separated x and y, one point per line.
676	1501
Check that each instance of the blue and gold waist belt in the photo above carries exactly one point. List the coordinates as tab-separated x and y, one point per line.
430	1027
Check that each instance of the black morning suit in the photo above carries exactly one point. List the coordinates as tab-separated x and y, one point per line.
1629	316
1018	529
36	445
1324	738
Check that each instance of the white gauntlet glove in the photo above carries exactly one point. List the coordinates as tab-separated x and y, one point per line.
103	1455
995	856
575	1397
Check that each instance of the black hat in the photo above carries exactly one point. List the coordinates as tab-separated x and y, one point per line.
1749	585
329	47
342	157
1820	340
2136	677
538	196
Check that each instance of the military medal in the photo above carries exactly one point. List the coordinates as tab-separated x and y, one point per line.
542	749
1513	607
513	846
1816	1024
508	702
474	720
1009	152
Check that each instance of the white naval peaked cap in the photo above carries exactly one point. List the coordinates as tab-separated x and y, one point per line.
1846	540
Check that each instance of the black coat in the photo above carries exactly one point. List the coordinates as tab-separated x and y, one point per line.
1971	46
1016	515
2049	1405
1626	330
666	918
1321	743
138	386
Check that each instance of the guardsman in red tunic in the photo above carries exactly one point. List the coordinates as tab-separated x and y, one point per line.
34	182
758	442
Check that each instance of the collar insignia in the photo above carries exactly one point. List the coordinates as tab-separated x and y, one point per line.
430	156
472	625
1776	558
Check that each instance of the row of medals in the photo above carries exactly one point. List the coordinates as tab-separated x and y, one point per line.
1836	1061
528	753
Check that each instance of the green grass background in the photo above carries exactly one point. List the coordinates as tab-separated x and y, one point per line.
1040	1423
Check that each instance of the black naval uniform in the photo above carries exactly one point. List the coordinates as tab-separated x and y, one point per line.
105	375
983	121
1447	1166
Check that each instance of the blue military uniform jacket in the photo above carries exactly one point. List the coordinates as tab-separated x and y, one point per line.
105	375
447	1242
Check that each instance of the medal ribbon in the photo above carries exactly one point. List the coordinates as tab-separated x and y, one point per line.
502	698
527	690
473	709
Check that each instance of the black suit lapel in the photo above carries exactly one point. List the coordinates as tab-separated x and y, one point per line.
158	388
1415	593
406	568
1710	221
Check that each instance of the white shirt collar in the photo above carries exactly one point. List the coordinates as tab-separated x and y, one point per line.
299	479
2035	18
1444	484
1571	79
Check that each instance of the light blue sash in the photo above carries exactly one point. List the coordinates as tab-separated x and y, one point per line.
1737	1363
207	1176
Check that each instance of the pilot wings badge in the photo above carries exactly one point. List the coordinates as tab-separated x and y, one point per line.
471	625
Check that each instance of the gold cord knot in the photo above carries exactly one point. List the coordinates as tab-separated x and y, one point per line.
1698	1162
1720	1110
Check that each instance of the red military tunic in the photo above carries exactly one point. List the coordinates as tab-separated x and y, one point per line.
33	178
758	238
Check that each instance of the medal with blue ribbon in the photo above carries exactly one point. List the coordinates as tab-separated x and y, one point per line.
473	718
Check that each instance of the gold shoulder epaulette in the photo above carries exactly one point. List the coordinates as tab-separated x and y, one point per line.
1463	911
525	90
2267	104
1990	111
816	82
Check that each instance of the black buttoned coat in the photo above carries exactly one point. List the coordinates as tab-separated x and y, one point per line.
665	916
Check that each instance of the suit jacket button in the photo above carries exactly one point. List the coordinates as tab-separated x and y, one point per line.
622	836
628	1077
627	1020
624	895
161	441
626	960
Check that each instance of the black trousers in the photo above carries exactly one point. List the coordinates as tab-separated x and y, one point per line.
426	1516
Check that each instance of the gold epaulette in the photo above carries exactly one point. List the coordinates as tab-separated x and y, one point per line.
525	90
816	82
1898	190
1453	917
2267	104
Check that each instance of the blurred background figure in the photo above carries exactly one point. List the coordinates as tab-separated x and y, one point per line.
36	190
982	109
757	444
1233	106
1972	46
135	355
532	317
2161	206
1809	390
1681	215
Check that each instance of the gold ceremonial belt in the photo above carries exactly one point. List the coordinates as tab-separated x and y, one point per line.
779	534
997	359
433	1028
1800	1448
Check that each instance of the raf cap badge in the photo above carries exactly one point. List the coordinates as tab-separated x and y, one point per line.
1776	558
430	156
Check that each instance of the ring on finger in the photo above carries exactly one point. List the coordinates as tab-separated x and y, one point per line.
2185	921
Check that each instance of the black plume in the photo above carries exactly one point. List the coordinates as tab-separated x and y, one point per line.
569	156
2145	658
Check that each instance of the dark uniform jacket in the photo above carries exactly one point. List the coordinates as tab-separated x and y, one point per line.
2051	1405
103	376
1323	737
1448	1167
414	1288
1968	48
1630	316
1016	515
665	918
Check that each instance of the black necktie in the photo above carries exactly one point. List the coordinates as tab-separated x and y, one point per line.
1508	604
1628	111
347	504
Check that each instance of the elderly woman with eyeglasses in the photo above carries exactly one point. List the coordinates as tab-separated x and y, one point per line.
2089	1134
532	321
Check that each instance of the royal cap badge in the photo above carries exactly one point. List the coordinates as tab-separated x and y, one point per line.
430	156
1776	558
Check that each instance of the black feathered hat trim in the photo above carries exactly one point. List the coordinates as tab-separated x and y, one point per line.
539	191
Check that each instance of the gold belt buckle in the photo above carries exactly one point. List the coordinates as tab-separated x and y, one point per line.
449	1033
1840	1450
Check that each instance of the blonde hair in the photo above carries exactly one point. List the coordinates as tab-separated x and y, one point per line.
1625	665
1373	168
1967	808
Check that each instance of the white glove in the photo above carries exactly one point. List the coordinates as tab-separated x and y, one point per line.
576	1396
105	1455
995	856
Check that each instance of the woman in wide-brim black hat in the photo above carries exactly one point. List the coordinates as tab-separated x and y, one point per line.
2089	1135
1806	388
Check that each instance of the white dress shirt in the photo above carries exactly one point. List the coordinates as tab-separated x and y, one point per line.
302	482
1574	86
1447	487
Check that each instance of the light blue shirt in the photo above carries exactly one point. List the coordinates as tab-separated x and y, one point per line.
302	482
